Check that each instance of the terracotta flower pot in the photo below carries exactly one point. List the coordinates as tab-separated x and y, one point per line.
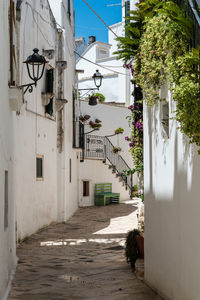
140	245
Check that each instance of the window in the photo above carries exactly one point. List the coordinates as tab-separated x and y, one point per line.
102	53
39	167
86	185
165	117
6	200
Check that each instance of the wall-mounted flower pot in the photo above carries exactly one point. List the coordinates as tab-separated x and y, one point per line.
92	100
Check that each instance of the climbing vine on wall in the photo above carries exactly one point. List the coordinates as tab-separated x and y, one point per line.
162	57
163	54
136	138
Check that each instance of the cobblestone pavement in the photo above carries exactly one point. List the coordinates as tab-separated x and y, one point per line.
81	259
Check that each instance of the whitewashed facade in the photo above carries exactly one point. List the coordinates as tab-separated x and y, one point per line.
116	87
112	117
7	212
38	165
172	203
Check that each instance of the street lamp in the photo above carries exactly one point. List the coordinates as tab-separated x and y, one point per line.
35	64
97	79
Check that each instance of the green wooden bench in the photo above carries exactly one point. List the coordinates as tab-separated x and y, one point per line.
103	194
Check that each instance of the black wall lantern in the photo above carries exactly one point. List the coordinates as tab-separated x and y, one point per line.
97	79
35	65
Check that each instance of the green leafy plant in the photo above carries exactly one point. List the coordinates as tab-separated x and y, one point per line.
119	130
95	125
100	97
159	39
131	249
136	138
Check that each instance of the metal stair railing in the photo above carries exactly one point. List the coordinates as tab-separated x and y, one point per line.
118	164
101	148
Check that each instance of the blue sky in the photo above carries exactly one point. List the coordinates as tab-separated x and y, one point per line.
88	24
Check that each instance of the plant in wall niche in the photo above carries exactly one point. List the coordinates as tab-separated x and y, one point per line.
116	150
119	130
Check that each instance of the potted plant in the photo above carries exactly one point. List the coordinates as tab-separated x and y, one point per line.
119	130
116	150
95	125
84	118
93	100
97	121
132	251
100	97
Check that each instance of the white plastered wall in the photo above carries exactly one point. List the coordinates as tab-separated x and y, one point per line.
7	235
34	132
172	205
96	172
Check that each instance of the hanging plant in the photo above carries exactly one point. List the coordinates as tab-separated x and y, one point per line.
93	100
100	97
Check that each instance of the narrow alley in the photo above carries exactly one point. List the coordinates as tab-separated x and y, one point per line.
80	259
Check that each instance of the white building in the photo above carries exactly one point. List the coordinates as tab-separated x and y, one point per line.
7	212
38	165
172	205
116	87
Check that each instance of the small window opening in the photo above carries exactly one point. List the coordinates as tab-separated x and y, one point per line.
49	108
39	167
86	188
6	200
165	117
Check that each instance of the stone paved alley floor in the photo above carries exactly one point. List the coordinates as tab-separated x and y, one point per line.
81	259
